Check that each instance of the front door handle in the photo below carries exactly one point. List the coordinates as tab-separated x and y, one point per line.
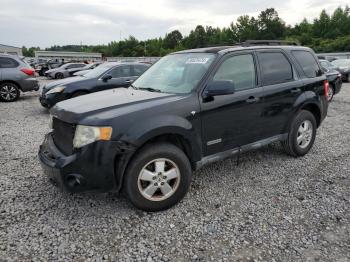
252	99
295	90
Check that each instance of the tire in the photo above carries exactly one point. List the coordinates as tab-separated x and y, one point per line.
173	172
59	76
9	92
330	95
79	93
292	145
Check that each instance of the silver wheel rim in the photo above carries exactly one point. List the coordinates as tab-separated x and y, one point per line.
8	92
305	133
330	93
159	179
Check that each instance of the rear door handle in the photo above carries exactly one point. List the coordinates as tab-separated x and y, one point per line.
295	90
252	99
129	81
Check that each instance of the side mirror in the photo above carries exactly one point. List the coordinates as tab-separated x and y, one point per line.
106	77
219	88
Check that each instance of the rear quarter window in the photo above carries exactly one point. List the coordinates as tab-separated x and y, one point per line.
6	62
308	63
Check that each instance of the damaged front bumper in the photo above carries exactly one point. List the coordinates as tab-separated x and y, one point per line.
96	167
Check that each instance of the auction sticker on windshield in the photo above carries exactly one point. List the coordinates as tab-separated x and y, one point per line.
197	60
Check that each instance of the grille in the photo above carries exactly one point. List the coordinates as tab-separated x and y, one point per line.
63	134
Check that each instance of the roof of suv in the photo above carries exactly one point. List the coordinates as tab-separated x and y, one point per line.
226	49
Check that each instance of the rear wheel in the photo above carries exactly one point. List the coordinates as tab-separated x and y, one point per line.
158	177
302	134
9	92
59	76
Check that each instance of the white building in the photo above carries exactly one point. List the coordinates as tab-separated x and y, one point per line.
68	56
10	50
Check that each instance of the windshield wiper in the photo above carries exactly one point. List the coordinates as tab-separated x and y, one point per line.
150	89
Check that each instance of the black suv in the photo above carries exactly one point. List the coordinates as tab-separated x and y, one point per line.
191	108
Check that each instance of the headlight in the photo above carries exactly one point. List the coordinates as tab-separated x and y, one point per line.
85	135
58	89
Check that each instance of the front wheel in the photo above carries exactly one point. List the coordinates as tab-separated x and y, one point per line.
59	76
302	134
158	177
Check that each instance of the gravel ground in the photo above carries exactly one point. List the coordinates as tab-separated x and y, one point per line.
270	208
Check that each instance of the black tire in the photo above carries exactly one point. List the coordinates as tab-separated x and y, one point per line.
59	76
291	145
331	91
79	93
9	92
158	151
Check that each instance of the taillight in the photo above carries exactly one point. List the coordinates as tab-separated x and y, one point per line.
28	71
326	87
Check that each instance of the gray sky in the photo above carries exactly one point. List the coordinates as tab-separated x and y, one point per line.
47	22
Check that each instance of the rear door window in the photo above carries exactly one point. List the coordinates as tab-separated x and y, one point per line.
308	63
8	62
275	68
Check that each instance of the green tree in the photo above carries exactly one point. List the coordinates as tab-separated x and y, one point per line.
172	39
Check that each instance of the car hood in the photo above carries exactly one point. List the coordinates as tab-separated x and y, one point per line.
106	105
64	82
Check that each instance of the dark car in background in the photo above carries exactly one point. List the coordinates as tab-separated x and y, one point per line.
42	65
106	76
343	67
15	76
334	78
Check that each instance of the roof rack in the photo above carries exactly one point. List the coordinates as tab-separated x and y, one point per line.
267	42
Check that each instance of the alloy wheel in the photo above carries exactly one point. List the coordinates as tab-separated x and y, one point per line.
8	92
305	133
159	179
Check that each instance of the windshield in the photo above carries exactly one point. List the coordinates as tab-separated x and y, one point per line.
97	71
341	62
178	73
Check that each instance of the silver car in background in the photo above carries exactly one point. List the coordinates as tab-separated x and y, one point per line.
65	70
15	76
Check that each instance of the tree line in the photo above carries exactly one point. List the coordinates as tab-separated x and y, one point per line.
326	33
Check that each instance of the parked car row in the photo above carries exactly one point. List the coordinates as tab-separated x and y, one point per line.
191	108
